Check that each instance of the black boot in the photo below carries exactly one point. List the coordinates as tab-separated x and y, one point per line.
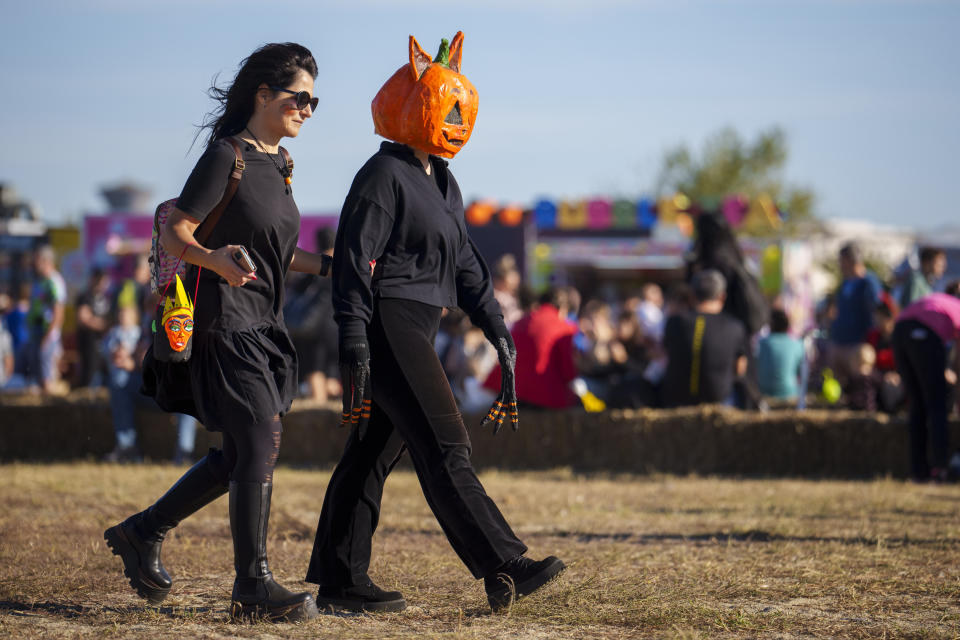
137	539
519	577
365	597
255	594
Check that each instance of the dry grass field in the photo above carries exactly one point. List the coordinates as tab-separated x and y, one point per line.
647	557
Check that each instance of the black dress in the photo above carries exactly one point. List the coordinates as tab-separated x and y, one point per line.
243	368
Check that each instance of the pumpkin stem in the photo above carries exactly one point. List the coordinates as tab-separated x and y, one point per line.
443	56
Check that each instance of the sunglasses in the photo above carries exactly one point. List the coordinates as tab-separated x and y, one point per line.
303	98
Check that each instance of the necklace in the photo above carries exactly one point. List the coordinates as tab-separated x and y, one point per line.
284	170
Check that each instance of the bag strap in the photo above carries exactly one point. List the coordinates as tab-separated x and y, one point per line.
206	227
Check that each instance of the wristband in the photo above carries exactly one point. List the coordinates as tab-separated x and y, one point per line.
326	263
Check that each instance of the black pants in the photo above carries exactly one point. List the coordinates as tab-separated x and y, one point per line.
413	409
921	359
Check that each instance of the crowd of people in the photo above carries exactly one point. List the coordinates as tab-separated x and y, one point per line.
710	338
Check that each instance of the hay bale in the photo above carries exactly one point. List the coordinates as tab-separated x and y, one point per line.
705	440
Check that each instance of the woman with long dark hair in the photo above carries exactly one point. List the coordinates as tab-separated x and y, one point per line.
242	375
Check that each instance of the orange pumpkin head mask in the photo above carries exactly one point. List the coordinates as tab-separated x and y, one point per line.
427	103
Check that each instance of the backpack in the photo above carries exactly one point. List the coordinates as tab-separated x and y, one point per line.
164	266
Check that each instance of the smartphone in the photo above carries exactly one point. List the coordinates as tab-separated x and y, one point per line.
242	258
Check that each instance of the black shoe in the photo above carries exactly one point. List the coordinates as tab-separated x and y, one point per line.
255	593
366	597
138	539
518	578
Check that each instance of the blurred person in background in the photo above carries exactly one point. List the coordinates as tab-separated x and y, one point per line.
506	288
863	381
920	282
600	357
308	313
630	334
123	380
16	319
780	360
545	354
6	344
716	247
855	299
678	301
45	321
650	312
706	350
922	338
94	309
880	337
467	358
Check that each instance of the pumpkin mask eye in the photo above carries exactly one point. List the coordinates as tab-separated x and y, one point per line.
454	117
413	106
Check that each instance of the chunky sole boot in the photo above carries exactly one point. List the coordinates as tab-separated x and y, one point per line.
141	559
263	599
518	578
255	593
368	597
138	539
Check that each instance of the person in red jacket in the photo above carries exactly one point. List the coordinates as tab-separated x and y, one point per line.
545	366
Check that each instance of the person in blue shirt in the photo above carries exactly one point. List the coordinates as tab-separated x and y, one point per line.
857	297
780	359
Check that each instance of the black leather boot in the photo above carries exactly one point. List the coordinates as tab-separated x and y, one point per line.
137	540
519	577
255	593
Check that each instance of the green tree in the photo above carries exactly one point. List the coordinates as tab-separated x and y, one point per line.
728	166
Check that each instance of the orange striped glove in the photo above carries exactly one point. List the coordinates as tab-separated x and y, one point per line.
355	376
505	406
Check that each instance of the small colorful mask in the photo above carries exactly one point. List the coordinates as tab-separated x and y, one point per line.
173	340
427	103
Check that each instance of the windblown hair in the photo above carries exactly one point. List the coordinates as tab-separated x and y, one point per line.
275	64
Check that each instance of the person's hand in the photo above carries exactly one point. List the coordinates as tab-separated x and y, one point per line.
506	402
355	377
950	376
222	262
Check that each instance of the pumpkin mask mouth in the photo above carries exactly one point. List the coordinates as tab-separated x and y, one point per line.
428	104
455	141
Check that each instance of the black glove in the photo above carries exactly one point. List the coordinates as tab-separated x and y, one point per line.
506	403
355	376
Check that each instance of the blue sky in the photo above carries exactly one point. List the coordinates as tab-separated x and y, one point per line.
577	99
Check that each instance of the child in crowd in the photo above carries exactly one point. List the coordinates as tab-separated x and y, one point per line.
863	382
780	360
123	380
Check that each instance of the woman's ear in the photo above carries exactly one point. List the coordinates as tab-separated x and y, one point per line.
263	95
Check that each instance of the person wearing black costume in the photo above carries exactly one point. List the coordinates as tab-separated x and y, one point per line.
404	214
242	374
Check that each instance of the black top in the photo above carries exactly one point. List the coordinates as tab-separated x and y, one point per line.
262	217
412	224
708	342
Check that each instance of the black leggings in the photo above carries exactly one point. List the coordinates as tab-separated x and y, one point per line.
249	453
